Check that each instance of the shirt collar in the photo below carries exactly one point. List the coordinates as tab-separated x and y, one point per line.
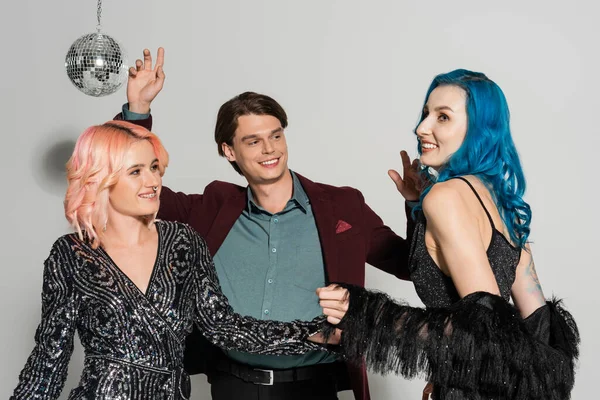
299	197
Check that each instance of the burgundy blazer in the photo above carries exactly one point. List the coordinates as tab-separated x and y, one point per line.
351	235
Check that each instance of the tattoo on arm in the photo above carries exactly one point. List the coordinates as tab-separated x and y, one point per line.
533	285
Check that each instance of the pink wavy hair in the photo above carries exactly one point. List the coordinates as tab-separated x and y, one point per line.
95	167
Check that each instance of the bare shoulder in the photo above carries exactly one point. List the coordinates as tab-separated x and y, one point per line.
446	199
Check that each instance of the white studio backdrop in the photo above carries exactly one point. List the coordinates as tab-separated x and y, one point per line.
352	76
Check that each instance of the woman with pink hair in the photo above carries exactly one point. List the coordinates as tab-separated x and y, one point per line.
132	286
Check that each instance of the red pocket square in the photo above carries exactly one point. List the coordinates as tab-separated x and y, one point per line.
342	226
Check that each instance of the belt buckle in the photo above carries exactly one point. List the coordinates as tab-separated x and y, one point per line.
270	371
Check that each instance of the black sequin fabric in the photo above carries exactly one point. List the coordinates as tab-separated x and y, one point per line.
134	341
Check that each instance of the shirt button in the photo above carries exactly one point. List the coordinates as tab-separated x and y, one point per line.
270	280
276	220
274	250
266	312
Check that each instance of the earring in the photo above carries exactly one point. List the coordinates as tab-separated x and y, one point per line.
155	188
433	174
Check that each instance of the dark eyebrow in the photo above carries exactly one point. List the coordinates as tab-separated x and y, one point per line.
248	137
440	108
255	136
141	165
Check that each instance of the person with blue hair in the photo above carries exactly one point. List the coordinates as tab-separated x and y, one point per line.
469	257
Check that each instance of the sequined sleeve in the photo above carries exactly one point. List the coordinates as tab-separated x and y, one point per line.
45	372
224	328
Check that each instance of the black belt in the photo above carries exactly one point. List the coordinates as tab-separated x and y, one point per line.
272	376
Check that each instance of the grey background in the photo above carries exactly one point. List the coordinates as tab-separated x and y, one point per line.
352	76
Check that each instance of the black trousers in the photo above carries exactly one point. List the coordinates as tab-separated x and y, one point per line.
228	387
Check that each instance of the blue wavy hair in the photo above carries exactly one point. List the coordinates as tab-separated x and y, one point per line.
488	150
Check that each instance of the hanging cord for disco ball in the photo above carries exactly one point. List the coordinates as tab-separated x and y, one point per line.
96	63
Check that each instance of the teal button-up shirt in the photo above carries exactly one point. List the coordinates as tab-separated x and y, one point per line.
269	267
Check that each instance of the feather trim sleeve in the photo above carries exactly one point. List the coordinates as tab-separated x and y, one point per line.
479	346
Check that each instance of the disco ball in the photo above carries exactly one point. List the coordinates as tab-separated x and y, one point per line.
96	64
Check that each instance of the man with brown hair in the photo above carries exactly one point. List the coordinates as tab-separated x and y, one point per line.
274	243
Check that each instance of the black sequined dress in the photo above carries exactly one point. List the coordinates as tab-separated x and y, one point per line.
435	289
134	341
474	348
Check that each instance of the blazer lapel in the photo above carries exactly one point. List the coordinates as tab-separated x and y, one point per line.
322	208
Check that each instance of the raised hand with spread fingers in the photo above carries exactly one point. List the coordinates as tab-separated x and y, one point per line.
410	185
145	81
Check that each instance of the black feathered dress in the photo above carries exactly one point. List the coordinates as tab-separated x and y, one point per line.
473	348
